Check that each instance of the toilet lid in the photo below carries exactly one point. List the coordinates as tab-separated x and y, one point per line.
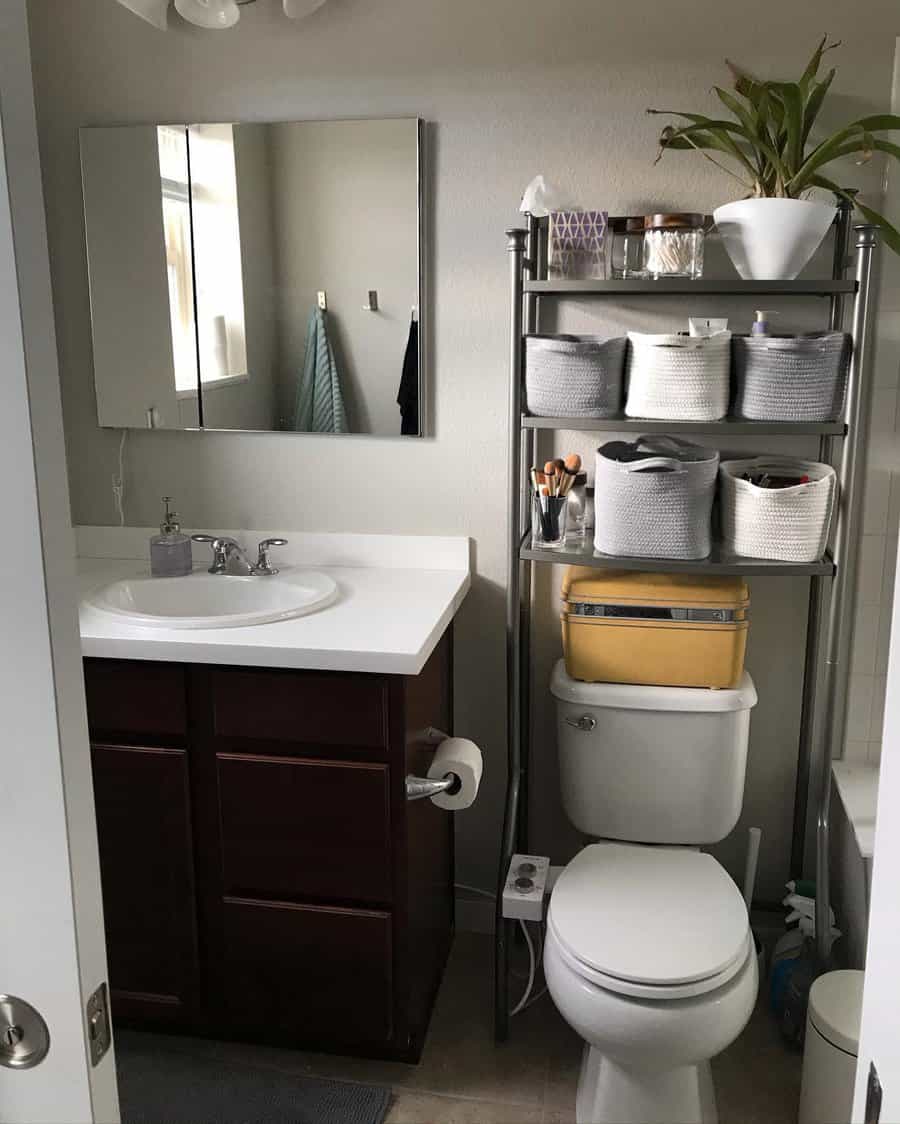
650	915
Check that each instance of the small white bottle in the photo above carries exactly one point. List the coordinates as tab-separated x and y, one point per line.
170	550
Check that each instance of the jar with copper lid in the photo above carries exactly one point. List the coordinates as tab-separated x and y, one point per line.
628	246
673	245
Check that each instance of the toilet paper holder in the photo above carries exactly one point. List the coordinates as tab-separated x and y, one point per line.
423	788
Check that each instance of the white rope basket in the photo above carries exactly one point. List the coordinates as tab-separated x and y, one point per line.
678	378
782	524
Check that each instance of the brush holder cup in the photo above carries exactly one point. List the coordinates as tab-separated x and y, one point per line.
549	520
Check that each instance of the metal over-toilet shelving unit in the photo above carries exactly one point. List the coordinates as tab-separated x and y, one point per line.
832	580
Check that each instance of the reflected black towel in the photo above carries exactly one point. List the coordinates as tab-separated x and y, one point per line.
408	395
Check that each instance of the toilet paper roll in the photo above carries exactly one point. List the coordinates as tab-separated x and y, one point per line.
462	758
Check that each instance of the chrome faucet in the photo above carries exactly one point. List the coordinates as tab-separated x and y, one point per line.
225	549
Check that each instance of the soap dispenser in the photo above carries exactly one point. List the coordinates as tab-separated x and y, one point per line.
170	550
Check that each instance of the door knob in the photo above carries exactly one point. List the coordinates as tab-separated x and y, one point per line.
24	1037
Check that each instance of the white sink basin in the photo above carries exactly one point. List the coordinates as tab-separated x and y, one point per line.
204	600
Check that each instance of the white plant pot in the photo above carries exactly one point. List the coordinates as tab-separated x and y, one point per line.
772	239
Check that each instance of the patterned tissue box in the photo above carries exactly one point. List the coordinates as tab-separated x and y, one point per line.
577	245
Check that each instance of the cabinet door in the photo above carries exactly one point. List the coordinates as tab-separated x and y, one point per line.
307	974
146	865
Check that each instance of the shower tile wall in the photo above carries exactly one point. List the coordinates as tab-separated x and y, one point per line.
878	551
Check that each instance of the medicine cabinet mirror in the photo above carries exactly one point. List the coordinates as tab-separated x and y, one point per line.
256	276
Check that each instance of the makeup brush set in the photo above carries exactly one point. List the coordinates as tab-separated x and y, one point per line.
551	489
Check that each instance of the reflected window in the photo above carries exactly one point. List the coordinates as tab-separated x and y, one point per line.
218	265
176	208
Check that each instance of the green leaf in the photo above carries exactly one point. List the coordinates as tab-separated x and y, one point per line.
812	68
889	233
700	136
878	123
814	103
743	115
727	131
792	100
745	84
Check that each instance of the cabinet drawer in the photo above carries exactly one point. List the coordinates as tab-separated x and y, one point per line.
131	699
307	972
301	707
299	828
147	872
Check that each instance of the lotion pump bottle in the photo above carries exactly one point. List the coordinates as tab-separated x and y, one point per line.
170	550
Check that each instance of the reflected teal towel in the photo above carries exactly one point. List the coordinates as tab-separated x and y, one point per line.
320	403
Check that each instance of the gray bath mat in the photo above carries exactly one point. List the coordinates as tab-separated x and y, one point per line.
159	1086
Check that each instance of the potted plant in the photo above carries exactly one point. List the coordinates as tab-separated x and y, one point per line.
776	228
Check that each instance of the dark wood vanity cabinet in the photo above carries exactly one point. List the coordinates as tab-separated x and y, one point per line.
264	876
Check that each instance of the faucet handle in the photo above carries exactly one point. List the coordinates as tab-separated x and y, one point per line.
263	565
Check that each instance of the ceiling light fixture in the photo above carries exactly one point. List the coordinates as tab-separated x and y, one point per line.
153	11
297	9
215	15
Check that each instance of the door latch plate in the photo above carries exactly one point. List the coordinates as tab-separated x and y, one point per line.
98	1028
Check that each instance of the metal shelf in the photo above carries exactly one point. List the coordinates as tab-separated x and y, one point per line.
735	426
682	286
830	598
582	553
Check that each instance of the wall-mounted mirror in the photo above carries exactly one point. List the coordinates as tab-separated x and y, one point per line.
256	276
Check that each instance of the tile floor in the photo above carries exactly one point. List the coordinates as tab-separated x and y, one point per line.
464	1078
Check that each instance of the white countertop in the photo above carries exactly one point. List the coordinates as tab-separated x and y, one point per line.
397	595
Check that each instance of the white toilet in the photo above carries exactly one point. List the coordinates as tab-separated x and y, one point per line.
649	955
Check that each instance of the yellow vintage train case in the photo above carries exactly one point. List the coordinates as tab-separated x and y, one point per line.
675	630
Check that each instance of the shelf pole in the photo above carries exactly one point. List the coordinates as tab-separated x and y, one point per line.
503	929
816	611
846	554
842	232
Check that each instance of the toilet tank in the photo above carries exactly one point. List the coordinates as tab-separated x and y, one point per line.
652	764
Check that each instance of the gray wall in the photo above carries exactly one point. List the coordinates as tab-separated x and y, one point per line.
512	88
325	177
129	289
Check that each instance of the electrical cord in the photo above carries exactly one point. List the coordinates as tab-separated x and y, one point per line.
534	958
118	482
520	1006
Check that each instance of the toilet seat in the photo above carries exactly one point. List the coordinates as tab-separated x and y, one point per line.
649	922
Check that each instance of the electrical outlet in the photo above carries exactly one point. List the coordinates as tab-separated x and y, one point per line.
523	893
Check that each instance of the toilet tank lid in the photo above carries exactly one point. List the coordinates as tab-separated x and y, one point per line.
632	696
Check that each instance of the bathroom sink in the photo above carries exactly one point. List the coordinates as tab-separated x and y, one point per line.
204	600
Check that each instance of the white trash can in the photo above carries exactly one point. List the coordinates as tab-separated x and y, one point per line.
831	1048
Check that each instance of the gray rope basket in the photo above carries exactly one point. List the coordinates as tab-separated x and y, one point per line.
574	376
797	378
654	497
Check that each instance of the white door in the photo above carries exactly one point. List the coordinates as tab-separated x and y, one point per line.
880	1035
52	952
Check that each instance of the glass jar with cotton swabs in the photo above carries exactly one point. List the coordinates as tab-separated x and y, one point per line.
550	502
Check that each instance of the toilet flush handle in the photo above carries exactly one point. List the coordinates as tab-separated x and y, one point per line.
585	722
